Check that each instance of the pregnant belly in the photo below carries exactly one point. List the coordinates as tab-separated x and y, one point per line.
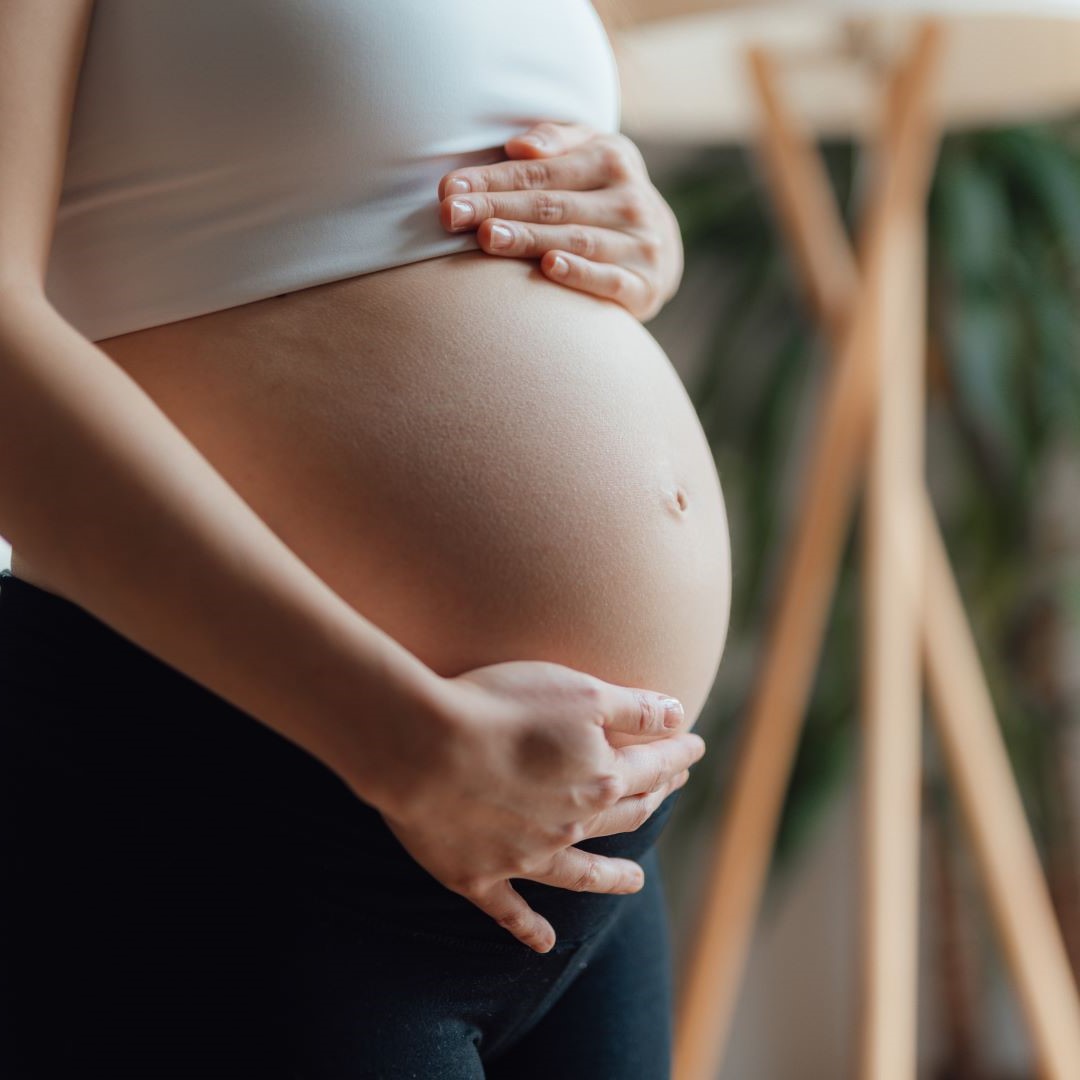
487	465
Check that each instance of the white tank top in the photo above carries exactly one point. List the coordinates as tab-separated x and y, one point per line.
223	151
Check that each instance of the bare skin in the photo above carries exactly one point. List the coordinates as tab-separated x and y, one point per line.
502	476
488	466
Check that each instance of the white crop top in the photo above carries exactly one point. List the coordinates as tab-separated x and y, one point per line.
224	151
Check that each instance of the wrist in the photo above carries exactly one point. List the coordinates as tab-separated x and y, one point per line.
390	734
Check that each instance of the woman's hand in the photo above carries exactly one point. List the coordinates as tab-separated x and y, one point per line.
523	770
582	202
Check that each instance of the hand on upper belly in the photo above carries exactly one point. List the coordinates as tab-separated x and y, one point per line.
582	202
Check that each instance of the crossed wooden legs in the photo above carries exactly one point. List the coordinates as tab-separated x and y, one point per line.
870	430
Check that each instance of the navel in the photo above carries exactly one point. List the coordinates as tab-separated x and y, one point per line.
676	500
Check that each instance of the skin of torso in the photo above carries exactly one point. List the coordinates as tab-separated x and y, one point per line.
486	464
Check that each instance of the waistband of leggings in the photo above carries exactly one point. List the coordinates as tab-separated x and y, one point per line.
37	606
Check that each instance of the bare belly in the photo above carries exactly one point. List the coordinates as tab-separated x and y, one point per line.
485	464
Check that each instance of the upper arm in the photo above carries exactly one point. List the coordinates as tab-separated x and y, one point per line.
41	50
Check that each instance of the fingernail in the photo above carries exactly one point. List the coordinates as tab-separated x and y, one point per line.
461	213
674	713
532	140
458	186
559	266
501	236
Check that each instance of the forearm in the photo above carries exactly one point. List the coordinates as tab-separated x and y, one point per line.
129	520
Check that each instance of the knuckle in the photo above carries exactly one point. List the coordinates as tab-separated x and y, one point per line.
549	208
517	866
634	208
591	699
532	174
581	242
571	833
581	802
644	718
469	885
588	878
633	152
590	693
620	289
608	791
615	162
516	922
659	777
695	749
524	237
652	249
538	869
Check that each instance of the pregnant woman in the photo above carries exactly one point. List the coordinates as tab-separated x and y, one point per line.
367	576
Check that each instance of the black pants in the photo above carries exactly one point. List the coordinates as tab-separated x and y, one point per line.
183	892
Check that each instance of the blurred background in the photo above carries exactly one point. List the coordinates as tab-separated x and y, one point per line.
1003	458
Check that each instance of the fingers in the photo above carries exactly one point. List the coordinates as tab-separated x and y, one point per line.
607	280
633	811
647	766
617	266
507	907
602	161
582	871
642	712
617	208
525	239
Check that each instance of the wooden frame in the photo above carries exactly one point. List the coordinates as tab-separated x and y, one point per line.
870	428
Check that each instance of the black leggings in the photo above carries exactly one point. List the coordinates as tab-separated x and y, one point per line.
183	892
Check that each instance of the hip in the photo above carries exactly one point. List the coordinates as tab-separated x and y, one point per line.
120	771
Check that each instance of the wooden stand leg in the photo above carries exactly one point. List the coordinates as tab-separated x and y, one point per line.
891	697
1008	861
892	575
739	863
963	711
